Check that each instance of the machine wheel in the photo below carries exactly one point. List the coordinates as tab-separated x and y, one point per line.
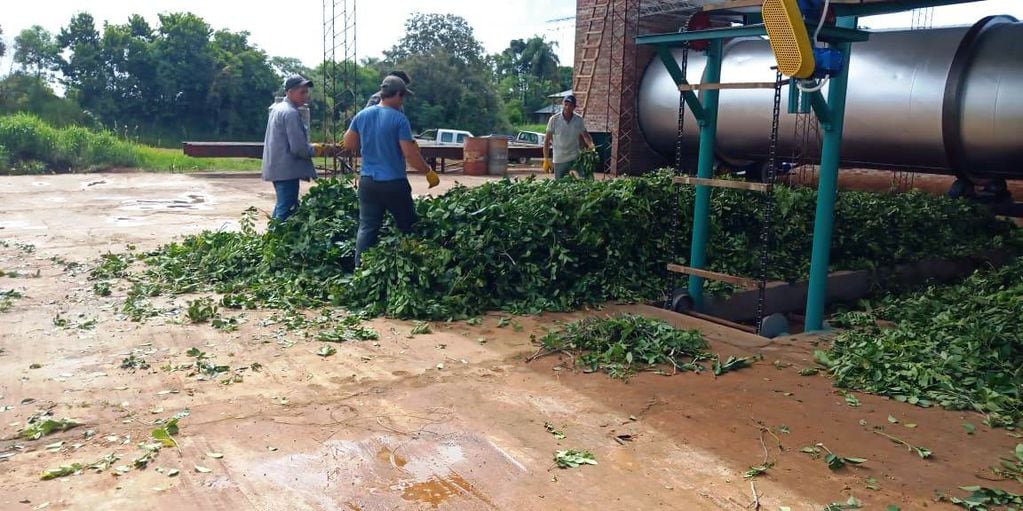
774	325
961	188
681	301
996	190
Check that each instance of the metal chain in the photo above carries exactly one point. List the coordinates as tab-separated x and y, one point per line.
768	209
676	214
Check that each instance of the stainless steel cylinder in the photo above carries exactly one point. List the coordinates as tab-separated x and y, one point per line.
946	100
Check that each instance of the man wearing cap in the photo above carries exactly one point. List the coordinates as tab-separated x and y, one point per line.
384	138
287	153
374	100
566	131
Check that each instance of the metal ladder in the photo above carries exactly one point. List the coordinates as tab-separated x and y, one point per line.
590	45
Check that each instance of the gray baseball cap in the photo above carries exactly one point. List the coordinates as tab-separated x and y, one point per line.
392	85
296	81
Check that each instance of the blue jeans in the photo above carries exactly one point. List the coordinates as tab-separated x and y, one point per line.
561	169
287	198
376	198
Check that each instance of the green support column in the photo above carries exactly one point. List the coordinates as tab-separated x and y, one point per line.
705	169
827	189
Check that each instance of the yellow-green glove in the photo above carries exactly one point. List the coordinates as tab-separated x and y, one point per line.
321	150
547	165
432	178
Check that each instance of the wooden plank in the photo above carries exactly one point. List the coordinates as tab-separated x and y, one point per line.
723	183
722	322
724	86
713	275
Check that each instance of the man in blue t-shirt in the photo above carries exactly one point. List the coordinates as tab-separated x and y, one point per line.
384	138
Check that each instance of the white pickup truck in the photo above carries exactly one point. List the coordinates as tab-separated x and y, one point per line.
444	136
529	138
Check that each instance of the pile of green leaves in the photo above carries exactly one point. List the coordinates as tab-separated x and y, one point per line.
956	346
988	499
625	344
538	245
570	458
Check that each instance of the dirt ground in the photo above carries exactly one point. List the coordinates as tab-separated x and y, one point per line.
451	420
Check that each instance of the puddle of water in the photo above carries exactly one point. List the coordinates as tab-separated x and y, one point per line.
391	458
18	224
126	221
437	490
395	472
190	201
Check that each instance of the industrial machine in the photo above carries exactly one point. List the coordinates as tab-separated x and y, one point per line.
934	101
942	101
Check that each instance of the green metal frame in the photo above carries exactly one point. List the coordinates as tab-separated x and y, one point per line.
872	9
828	34
705	168
830	112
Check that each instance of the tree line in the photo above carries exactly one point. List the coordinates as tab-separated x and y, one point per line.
181	79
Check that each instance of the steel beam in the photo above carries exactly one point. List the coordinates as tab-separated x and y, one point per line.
705	170
827	189
676	74
675	39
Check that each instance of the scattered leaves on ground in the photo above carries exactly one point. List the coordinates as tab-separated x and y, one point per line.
571	458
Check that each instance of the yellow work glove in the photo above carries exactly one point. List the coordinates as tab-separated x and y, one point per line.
547	165
432	178
320	150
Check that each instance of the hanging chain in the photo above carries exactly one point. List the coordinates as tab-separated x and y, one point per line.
676	213
768	209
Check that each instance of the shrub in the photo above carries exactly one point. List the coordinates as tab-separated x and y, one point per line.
26	137
34	146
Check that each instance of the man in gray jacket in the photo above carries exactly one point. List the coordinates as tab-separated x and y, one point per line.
287	153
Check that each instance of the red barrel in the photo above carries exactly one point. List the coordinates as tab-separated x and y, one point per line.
497	155
474	156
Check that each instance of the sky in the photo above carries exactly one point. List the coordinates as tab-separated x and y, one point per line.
294	28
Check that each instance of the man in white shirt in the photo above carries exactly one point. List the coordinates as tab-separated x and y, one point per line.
567	133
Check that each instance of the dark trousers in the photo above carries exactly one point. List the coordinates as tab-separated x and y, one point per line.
375	198
287	198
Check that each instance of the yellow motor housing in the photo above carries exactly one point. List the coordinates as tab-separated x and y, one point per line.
789	40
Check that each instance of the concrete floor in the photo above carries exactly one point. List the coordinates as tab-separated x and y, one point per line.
448	420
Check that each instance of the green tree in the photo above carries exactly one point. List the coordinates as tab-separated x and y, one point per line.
428	33
85	72
564	78
529	71
131	66
243	85
185	68
21	92
287	66
454	85
36	51
3	45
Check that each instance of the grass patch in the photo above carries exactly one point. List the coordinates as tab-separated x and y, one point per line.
539	128
173	160
30	146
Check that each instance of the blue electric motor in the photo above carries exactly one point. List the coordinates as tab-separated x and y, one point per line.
828	61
